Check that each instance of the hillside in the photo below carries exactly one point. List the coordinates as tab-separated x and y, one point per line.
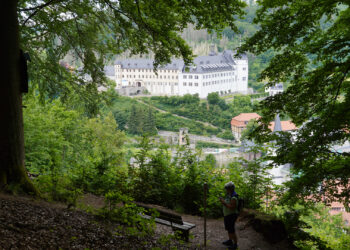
209	117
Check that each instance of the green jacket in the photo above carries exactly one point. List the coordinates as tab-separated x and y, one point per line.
228	211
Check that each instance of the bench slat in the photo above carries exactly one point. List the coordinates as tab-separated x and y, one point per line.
185	226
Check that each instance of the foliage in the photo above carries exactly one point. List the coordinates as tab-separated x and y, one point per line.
168	122
311	54
90	33
241	104
149	124
73	154
120	208
217	112
141	121
227	134
311	226
152	174
329	229
69	152
251	126
203	144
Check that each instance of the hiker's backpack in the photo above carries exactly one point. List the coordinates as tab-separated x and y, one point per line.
240	203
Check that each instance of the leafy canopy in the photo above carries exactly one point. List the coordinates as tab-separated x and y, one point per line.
92	32
311	40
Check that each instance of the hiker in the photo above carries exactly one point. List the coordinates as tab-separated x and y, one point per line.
230	209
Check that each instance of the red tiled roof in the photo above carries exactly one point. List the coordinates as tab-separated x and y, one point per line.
245	117
286	126
241	119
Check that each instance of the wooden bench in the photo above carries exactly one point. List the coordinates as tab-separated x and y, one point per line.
168	218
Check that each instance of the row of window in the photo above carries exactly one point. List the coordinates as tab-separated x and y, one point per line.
151	70
190	84
151	76
218	75
338	209
190	76
208	75
161	83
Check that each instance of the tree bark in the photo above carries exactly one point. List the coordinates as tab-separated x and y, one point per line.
12	168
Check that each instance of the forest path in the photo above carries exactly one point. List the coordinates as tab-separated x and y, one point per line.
248	238
179	116
30	224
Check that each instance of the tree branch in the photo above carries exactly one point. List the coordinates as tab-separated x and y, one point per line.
37	9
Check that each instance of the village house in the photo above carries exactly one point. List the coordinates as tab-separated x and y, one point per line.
240	122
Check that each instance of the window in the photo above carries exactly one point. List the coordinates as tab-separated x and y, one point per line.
196	84
185	84
244	68
336	208
176	84
195	77
190	84
185	77
190	76
244	78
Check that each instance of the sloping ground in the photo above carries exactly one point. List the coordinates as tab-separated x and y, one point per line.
183	117
27	224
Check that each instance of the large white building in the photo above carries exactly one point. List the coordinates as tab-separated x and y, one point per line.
222	73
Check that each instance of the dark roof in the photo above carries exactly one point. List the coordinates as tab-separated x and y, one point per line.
278	126
109	70
201	64
141	63
278	86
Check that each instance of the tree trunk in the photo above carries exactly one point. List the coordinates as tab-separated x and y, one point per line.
12	170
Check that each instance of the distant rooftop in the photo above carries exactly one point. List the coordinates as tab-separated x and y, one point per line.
109	70
242	119
285	125
201	64
278	86
245	117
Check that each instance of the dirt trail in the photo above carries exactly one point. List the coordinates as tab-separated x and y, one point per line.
248	238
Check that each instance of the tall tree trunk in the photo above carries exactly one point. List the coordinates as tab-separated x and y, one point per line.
12	169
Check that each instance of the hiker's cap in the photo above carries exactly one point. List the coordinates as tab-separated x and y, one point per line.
229	185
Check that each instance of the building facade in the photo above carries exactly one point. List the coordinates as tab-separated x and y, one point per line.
222	73
274	90
240	122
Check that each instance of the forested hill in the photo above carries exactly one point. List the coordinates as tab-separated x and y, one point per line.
200	41
202	117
